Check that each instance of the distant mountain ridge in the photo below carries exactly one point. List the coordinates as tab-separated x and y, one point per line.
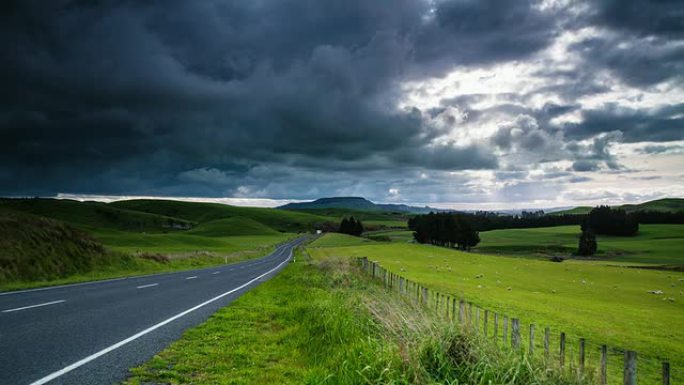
357	203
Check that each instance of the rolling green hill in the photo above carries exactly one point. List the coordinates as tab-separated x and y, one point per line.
281	220
53	241
94	215
232	226
372	220
666	205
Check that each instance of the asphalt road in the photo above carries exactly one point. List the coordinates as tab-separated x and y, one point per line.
93	333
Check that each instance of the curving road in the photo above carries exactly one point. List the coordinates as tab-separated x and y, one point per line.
93	333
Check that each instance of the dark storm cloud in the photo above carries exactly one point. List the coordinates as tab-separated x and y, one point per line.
488	31
210	97
109	96
642	17
658	125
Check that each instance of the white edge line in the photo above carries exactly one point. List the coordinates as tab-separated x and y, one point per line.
193	277
148	285
119	344
32	306
216	272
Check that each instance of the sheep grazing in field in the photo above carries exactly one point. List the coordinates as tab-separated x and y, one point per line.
656	292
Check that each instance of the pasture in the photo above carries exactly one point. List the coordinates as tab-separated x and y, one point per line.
655	244
604	304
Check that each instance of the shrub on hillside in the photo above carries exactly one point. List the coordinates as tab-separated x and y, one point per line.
161	258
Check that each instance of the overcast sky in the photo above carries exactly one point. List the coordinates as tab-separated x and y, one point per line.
464	103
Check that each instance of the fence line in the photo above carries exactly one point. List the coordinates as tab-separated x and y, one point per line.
470	319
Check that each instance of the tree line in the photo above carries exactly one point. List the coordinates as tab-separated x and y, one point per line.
608	221
444	229
485	220
351	226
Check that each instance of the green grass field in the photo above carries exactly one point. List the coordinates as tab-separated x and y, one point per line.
605	304
655	244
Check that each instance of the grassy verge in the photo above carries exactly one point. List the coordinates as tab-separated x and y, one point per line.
321	321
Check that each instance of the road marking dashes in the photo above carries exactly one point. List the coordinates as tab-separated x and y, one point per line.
193	277
32	306
149	285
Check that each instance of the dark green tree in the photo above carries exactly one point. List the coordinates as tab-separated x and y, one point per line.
587	243
351	226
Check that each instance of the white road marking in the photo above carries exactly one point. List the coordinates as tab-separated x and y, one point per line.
67	286
232	269
193	277
144	286
216	272
134	337
32	306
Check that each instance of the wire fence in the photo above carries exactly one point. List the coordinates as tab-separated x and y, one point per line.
592	362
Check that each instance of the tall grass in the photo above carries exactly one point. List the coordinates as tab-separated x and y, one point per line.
378	337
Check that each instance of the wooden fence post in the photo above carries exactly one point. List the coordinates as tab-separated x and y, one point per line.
562	350
630	372
515	333
425	296
453	309
547	337
470	314
582	343
496	327
531	352
486	320
505	330
461	312
476	324
666	373
402	284
604	365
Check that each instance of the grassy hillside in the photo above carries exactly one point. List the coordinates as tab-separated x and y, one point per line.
231	227
50	241
602	303
94	215
39	248
666	205
281	220
372	220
